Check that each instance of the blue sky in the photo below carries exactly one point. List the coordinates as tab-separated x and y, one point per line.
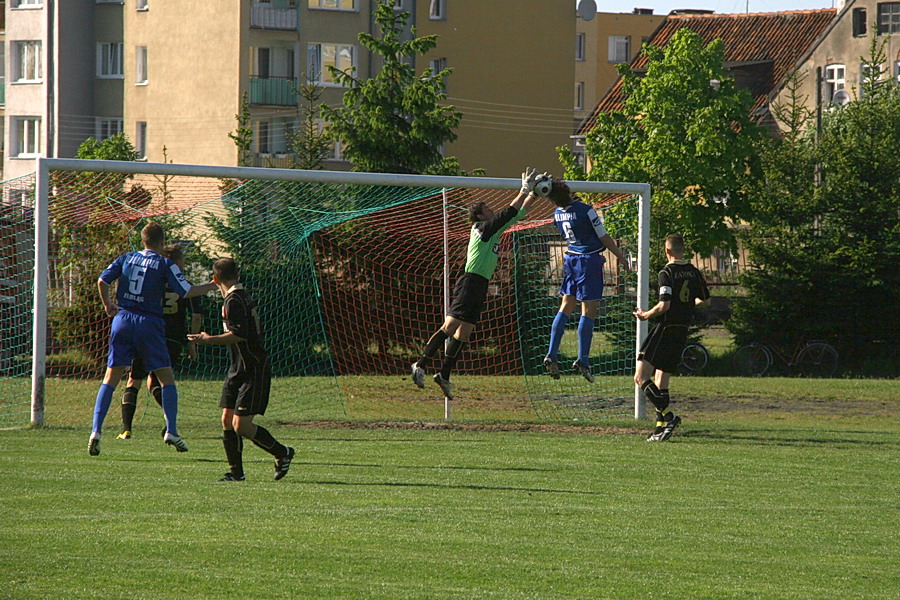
662	7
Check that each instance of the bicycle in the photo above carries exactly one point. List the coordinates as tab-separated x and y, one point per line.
811	359
694	357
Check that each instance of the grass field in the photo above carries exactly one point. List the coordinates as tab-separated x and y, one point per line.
772	488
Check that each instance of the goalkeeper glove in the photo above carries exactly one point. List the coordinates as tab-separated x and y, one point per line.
529	178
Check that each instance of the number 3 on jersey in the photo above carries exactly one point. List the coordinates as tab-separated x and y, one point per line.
170	303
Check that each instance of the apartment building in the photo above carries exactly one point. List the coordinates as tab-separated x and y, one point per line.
607	40
173	78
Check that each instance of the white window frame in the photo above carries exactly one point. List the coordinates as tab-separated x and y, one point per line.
619	49
110	56
437	10
398	5
140	139
580	47
142	5
140	65
334	5
26	140
106	127
579	95
835	80
315	63
27	60
26	4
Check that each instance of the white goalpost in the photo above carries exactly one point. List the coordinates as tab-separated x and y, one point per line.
51	170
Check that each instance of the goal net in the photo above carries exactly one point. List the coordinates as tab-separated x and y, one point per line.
352	273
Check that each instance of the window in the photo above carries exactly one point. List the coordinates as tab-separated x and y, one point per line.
141	5
27	3
619	48
437	65
859	22
333	4
897	70
109	60
106	128
888	17
140	55
579	95
140	139
438	10
271	62
321	56
579	46
26	61
262	137
27	140
398	4
834	81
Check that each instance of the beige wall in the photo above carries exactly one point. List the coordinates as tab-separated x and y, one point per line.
513	83
596	71
839	46
195	71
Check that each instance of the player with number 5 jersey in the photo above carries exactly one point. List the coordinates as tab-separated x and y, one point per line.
138	329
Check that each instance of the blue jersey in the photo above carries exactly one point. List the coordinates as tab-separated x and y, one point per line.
581	227
144	276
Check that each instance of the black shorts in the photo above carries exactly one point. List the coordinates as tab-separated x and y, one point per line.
469	297
663	346
138	372
247	393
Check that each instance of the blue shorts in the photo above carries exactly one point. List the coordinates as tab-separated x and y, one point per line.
134	335
583	276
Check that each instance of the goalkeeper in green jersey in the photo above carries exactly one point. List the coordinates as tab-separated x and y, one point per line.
470	291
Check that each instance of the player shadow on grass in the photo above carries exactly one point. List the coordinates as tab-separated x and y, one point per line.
754	438
498	488
436	467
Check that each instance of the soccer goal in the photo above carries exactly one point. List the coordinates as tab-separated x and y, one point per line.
352	272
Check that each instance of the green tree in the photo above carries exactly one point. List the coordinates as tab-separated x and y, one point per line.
243	135
394	122
309	145
826	255
685	128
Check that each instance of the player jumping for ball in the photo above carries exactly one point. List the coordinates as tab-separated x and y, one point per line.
681	288
470	291
582	229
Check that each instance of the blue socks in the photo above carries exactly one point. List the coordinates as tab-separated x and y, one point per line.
170	407
585	336
101	407
556	333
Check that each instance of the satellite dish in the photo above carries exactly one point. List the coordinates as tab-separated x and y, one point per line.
841	97
587	9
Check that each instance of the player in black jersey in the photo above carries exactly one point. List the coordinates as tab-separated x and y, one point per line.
175	312
246	389
681	288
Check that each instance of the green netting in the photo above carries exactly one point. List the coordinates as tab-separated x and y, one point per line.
350	284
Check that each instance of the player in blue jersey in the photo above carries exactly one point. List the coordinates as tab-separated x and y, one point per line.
176	311
581	227
138	329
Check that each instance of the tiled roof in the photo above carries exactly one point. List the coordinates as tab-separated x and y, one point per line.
770	44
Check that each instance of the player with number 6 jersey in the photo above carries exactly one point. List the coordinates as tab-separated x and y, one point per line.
581	228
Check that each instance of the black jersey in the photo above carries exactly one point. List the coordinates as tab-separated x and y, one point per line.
680	283
240	317
175	311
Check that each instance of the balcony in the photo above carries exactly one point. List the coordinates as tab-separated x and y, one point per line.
274	15
273	91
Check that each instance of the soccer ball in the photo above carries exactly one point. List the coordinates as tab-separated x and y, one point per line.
543	185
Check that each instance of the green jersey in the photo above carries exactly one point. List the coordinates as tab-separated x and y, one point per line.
481	257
